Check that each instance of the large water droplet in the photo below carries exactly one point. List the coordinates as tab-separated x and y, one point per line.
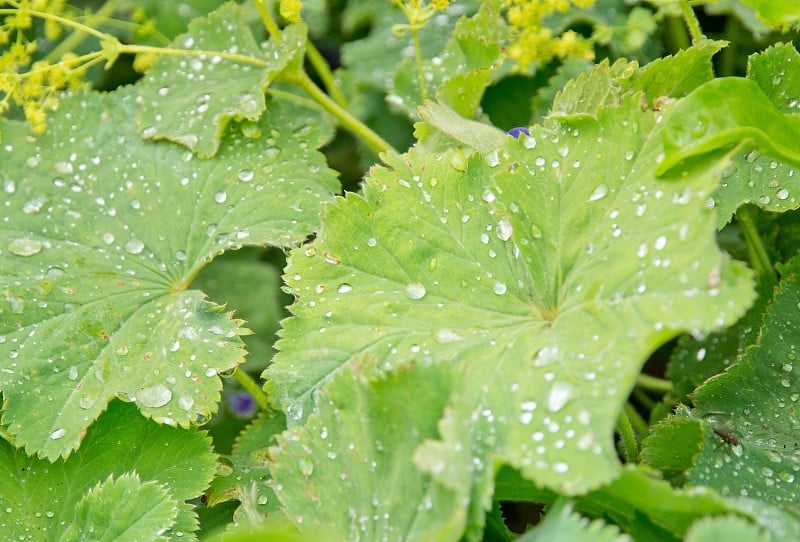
599	193
246	175
25	246
559	395
134	246
546	356
58	433
504	229
415	290
154	396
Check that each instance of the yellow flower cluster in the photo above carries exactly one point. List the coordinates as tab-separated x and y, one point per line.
534	43
26	83
290	10
418	13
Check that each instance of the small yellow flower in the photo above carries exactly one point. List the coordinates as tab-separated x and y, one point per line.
290	10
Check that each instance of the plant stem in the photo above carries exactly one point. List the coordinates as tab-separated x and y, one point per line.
324	72
652	383
676	34
73	40
691	22
420	71
252	387
133	49
759	259
373	140
630	446
643	399
269	23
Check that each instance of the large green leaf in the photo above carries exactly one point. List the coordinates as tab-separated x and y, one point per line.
131	475
750	411
101	236
780	13
561	523
190	98
551	267
350	469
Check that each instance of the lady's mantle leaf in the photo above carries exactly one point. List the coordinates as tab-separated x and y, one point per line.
752	410
728	528
776	12
561	523
121	453
101	235
550	267
349	469
759	178
123	509
190	98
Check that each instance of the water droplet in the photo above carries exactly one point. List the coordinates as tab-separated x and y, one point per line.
488	196
221	196
559	395
415	290
246	175
444	336
174	346
529	142
660	242
371	242
154	396
599	193
504	229
458	160
134	246
108	238
782	194
499	288
306	466
25	246
72	373
185	402
560	467
546	356
58	433
492	159
345	288
33	206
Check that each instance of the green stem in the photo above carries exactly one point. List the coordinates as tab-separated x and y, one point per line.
643	399
133	49
652	383
676	35
728	55
630	446
420	71
373	140
691	21
73	40
269	23
759	259
252	387
324	72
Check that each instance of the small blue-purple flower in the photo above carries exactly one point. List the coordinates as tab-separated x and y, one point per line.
242	404
519	130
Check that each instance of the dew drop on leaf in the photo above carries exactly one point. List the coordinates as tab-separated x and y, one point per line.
599	193
154	396
560	394
504	229
345	288
415	290
134	246
58	433
25	246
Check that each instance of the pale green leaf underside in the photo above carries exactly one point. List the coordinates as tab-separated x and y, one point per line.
173	465
551	268
752	408
190	98
349	470
103	234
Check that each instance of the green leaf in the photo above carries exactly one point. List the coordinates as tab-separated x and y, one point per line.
750	411
723	113
551	268
677	75
190	98
777	13
122	454
247	481
673	445
590	91
728	528
561	523
458	75
349	469
759	178
104	234
123	509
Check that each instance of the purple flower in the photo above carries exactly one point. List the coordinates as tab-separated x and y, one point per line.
242	404
515	132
